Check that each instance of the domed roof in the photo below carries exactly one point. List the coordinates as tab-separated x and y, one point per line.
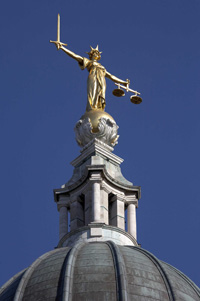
99	271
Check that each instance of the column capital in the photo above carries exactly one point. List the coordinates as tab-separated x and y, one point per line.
60	205
95	176
64	201
131	199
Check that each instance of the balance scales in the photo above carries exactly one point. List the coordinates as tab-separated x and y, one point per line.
119	92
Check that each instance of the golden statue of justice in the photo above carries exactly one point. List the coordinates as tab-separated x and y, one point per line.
96	83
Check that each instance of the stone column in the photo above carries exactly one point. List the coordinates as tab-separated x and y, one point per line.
116	214
63	221
96	195
88	207
76	214
104	207
131	216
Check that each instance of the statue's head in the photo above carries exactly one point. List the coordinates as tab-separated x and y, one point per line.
94	53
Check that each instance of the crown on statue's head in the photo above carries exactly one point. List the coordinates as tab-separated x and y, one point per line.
94	51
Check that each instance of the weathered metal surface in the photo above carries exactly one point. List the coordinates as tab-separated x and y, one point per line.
94	274
8	293
144	279
100	271
183	287
44	282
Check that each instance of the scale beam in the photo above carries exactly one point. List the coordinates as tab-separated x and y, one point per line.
127	89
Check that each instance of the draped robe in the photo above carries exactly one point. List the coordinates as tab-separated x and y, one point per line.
96	84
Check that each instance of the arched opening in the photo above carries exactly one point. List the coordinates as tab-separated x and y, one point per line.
69	220
125	218
110	209
81	215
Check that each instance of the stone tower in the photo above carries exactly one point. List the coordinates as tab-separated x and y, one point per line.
93	202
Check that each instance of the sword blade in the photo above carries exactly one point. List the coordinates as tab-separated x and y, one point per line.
58	29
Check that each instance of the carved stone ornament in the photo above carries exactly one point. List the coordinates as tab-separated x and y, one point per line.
106	131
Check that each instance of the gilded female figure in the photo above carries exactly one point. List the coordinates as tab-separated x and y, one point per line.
96	83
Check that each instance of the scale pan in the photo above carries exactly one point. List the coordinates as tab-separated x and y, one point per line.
136	99
118	92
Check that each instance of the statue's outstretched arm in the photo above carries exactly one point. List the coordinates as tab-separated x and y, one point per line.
75	56
116	79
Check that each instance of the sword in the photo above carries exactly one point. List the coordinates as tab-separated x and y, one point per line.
58	43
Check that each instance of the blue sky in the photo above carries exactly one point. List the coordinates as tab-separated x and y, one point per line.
154	43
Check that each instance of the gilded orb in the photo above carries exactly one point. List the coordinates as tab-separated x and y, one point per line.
96	124
94	116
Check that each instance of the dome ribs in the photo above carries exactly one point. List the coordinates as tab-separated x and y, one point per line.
94	274
20	293
61	282
193	287
97	271
120	272
27	275
68	274
7	291
159	267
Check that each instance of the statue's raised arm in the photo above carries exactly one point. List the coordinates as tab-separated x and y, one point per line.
75	56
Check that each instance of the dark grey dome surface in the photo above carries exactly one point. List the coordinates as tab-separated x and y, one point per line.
99	271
